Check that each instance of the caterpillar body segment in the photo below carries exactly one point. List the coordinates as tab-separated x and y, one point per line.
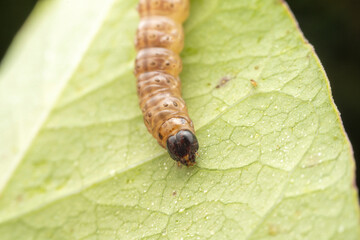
160	32
159	40
157	60
177	10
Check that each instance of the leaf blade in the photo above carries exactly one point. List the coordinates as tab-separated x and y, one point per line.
284	158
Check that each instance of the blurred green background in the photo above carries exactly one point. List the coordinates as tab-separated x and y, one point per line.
331	26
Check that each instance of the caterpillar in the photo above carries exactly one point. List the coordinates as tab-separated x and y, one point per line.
159	41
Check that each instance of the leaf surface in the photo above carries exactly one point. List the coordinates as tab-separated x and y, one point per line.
78	162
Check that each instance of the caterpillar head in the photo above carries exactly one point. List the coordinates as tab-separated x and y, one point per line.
183	147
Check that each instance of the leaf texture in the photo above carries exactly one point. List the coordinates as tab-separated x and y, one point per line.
78	162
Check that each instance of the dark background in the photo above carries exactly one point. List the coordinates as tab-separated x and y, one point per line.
331	26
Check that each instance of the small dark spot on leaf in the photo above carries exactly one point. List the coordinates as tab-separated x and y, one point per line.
224	80
273	229
256	67
174	193
253	82
19	198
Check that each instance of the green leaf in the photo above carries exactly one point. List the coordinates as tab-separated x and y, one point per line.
78	163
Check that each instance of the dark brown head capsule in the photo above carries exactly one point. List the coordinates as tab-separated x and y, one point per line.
183	147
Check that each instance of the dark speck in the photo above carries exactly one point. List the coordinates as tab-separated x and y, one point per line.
224	80
253	82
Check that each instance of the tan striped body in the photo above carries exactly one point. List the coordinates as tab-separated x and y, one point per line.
159	40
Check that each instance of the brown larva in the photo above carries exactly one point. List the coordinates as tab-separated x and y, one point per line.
159	40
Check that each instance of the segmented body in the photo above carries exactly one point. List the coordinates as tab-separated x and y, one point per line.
159	40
